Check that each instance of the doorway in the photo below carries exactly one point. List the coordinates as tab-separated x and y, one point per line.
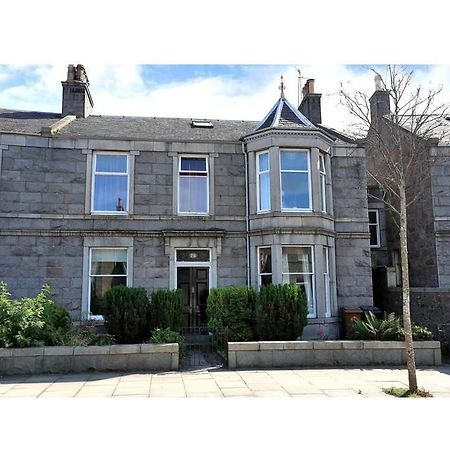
194	283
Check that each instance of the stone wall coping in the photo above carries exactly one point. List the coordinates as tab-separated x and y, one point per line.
327	345
116	349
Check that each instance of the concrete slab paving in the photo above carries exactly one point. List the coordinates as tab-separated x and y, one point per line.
297	383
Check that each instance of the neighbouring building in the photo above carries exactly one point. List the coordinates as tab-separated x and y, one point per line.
87	202
428	233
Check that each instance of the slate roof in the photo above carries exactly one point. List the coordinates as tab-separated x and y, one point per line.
284	115
119	127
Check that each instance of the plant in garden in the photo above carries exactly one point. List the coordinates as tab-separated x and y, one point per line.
166	309
229	310
125	310
371	327
168	336
281	312
31	322
86	334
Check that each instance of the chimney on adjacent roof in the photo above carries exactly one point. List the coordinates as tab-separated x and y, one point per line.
310	105
77	99
380	101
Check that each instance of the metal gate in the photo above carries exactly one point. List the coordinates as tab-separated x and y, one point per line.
204	347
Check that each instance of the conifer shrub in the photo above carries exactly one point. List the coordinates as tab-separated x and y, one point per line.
166	309
281	312
230	309
125	310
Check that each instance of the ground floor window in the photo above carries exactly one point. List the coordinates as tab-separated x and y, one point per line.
326	280
297	267
265	265
108	267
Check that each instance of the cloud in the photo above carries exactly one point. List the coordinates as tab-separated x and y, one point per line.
239	92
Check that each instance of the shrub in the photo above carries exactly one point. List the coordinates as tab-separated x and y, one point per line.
231	308
281	312
166	309
31	322
86	334
387	328
125	310
168	336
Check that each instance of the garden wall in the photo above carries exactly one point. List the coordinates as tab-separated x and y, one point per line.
328	353
136	357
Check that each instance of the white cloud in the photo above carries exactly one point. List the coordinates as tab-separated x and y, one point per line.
123	90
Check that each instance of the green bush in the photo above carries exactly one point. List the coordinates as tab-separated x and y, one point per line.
387	328
125	310
231	308
168	336
166	309
86	334
281	312
31	322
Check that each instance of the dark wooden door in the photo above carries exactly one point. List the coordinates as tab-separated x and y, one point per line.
194	283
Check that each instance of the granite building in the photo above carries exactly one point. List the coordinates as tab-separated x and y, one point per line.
87	202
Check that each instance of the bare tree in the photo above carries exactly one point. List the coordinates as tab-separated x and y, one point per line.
399	160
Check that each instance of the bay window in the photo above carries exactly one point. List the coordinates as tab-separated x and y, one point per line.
297	267
295	180
265	265
263	181
322	183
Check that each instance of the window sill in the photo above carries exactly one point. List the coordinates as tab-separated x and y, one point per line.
109	213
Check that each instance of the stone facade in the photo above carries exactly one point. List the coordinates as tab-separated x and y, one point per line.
49	229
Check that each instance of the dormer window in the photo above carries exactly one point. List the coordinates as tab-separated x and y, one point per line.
201	124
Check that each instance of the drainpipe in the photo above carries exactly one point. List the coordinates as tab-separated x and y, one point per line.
247	219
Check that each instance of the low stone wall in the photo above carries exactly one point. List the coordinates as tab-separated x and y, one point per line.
328	353
138	357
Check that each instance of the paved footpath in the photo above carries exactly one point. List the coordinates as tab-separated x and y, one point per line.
311	383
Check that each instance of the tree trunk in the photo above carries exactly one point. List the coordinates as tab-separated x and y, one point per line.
410	358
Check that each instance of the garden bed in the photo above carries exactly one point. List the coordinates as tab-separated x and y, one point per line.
328	353
71	359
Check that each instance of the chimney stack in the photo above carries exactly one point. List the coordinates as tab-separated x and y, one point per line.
310	105
380	101
77	99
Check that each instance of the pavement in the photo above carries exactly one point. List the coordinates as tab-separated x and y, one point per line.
302	383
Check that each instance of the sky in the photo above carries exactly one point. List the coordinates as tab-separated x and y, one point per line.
220	91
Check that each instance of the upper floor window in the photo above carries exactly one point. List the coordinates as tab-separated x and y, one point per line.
322	183
263	181
110	185
295	180
374	228
193	185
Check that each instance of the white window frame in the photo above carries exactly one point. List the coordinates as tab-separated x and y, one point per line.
308	171
94	173
377	224
258	174
206	172
311	314
323	182
259	266
327	280
90	276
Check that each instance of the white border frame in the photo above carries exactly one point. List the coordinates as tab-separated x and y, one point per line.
377	213
192	264
189	155
313	314
258	265
326	279
94	172
258	173
323	182
100	317
308	152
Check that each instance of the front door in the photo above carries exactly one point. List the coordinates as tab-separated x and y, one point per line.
194	283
